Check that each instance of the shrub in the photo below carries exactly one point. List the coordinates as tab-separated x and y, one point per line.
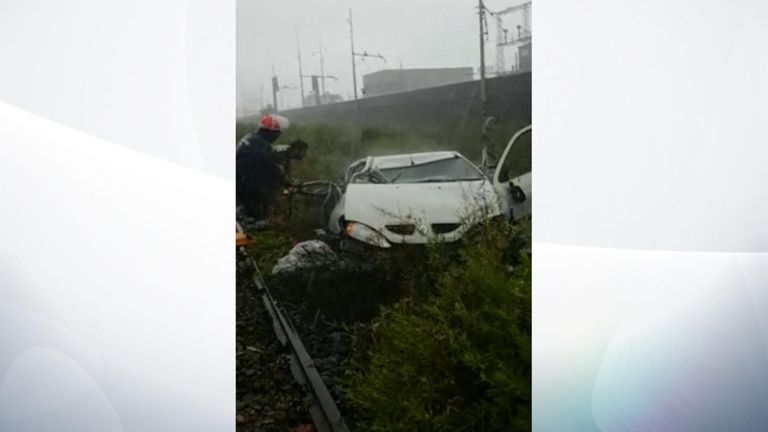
460	360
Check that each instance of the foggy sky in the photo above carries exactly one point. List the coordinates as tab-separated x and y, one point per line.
418	34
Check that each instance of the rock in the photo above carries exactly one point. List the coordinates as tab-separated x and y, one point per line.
308	254
240	418
277	415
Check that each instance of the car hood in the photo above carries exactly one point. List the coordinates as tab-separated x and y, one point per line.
422	204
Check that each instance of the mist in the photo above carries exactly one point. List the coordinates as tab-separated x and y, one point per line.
423	34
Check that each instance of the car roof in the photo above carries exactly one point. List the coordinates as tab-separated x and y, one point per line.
408	159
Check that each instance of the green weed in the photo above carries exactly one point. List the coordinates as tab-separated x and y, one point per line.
460	360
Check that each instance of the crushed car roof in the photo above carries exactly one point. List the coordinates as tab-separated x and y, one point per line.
404	160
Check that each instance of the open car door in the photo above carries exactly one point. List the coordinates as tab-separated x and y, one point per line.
512	177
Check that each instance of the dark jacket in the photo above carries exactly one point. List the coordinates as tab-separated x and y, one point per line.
258	175
256	157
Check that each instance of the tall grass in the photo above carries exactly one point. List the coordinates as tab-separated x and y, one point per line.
333	148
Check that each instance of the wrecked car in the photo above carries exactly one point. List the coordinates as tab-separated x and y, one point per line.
422	197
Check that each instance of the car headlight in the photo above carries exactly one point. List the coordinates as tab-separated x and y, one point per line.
366	234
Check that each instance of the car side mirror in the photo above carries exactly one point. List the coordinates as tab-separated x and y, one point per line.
517	194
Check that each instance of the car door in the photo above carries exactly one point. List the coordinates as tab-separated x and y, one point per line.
512	177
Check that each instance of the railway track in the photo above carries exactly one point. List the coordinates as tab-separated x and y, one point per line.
324	412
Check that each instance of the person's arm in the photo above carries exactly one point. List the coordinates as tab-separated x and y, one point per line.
296	151
285	180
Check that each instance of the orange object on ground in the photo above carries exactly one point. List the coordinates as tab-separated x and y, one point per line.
240	238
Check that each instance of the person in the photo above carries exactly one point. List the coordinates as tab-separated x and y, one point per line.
295	151
261	171
257	173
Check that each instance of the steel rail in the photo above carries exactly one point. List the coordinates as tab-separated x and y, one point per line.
325	414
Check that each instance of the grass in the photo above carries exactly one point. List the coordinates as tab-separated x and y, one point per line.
333	148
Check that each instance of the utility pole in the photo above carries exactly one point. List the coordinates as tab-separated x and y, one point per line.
501	40
487	121
352	45
275	89
481	15
363	54
315	89
322	67
301	81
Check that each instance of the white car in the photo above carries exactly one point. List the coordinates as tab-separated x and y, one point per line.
422	197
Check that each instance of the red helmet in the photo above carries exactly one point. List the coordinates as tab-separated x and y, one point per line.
271	122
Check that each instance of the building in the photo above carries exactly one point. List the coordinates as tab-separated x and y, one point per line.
402	80
524	57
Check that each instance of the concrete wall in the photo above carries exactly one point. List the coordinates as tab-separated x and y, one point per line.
401	80
509	100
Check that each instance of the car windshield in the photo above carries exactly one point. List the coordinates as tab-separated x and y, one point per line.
445	170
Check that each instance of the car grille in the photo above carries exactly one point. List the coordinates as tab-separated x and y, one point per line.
406	229
444	228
